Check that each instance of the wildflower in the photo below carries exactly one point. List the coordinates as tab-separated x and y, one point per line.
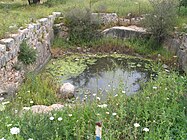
70	115
136	125
116	95
3	138
146	129
31	102
114	114
102	106
51	118
26	108
136	3
14	130
154	87
30	139
8	125
123	91
60	119
94	94
98	114
16	111
107	112
4	103
98	98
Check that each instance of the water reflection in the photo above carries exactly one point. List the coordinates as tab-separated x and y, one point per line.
108	73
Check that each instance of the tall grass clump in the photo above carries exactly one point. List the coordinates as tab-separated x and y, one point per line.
162	19
37	90
27	55
82	28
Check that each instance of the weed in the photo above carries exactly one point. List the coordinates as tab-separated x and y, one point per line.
27	55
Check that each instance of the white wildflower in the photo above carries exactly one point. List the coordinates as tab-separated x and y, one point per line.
14	130
98	98
136	125
26	108
103	106
60	119
116	95
51	118
8	125
4	103
31	102
30	139
107	112
94	94
123	92
70	115
146	129
154	87
114	114
3	138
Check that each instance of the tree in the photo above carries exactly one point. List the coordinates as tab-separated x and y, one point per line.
162	18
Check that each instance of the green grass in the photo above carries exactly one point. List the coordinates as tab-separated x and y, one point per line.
160	107
19	13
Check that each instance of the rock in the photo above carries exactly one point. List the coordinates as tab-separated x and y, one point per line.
67	90
3	92
40	109
1	99
125	32
56	106
43	109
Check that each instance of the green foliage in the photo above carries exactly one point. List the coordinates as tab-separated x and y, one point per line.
162	19
27	55
160	107
40	89
81	26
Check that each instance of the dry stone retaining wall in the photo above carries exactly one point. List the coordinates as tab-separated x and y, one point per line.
38	36
178	45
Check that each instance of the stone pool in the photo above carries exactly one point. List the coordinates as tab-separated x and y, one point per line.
96	75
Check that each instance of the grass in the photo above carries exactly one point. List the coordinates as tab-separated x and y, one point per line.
24	14
160	106
143	47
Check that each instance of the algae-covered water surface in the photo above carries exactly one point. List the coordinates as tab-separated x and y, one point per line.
101	74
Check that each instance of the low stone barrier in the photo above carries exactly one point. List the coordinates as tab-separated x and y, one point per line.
178	45
36	35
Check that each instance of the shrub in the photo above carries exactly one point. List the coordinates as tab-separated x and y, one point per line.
81	26
27	55
162	18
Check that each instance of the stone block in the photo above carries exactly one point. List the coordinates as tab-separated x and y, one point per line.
2	48
57	14
3	61
43	21
9	42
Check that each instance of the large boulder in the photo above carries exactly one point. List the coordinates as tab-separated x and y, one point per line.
67	90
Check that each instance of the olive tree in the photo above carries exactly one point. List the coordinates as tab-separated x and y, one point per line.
161	20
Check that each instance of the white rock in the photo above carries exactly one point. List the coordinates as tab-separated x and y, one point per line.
67	90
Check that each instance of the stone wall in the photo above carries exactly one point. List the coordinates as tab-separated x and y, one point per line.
38	36
178	45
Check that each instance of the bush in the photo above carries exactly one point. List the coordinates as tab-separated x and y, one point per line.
27	55
162	18
81	26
